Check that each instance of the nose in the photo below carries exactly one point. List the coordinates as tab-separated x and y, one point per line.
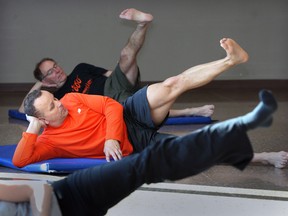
57	69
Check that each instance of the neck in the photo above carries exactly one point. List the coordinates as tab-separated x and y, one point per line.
59	85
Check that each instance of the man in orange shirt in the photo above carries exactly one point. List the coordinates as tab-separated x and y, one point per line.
95	126
94	190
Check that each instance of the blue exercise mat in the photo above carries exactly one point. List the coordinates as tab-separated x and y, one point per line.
13	113
56	165
188	120
170	121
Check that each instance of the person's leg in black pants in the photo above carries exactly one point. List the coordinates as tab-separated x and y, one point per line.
97	189
93	191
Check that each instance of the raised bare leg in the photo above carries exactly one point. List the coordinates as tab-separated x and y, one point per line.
277	159
162	95
128	57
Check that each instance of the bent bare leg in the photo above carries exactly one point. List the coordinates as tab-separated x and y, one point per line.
162	95
206	111
277	159
128	57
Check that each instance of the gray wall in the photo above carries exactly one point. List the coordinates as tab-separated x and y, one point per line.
184	33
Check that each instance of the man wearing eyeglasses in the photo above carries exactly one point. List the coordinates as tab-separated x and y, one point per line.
86	78
118	84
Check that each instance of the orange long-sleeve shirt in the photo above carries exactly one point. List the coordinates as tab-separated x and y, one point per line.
91	120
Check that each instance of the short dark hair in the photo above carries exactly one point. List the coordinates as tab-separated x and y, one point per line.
37	72
29	101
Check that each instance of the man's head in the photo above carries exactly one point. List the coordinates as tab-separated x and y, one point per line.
49	73
43	105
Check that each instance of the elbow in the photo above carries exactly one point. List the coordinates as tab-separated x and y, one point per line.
21	109
18	163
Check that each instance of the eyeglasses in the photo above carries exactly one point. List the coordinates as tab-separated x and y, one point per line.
50	71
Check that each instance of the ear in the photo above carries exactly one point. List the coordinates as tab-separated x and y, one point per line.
43	121
46	122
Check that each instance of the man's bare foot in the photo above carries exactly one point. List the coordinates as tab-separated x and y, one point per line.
277	159
235	53
135	15
206	111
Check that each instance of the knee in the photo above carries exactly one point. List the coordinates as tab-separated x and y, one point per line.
172	82
127	54
124	55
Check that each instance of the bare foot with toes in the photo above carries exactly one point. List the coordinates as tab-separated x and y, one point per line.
206	111
277	159
136	15
235	53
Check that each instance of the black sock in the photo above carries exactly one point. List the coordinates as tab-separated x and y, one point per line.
261	116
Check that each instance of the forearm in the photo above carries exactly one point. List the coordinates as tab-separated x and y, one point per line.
34	127
114	119
37	85
25	150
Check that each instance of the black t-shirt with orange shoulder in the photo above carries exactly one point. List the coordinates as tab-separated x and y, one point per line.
85	78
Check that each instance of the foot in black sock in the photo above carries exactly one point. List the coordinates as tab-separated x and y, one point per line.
261	116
